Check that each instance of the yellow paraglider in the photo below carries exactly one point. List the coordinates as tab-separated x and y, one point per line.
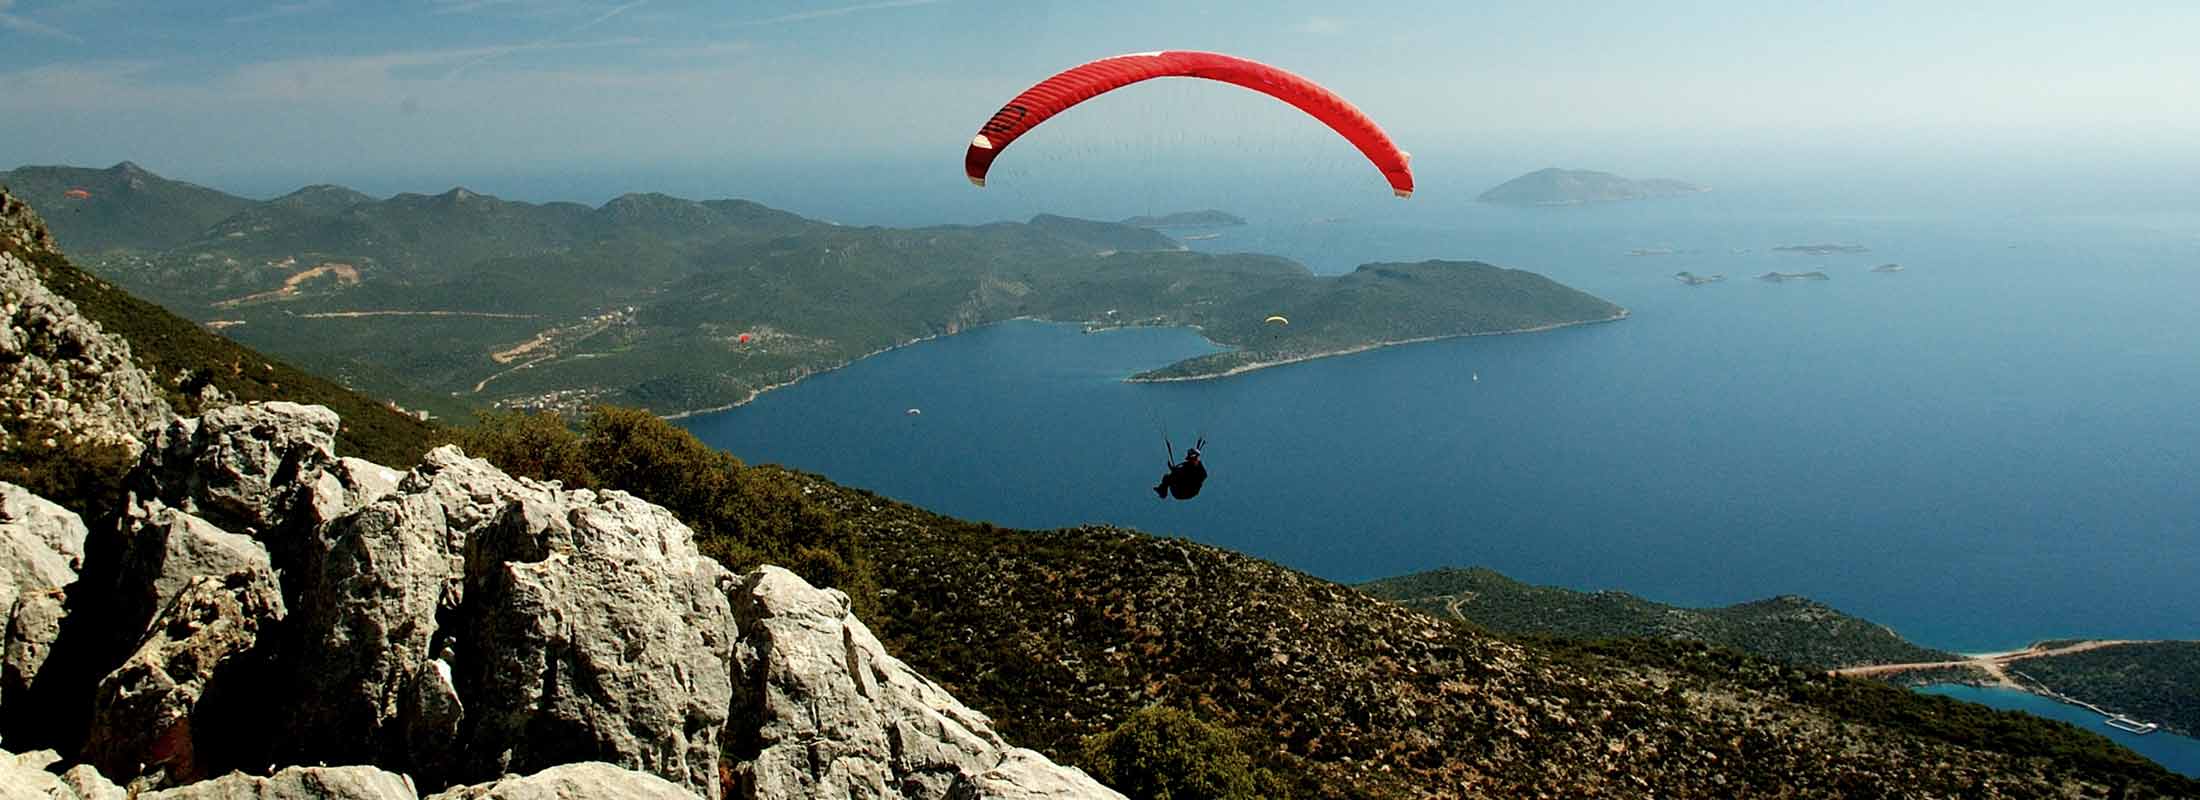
1277	319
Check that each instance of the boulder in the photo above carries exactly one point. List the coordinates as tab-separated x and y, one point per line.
593	780
41	550
157	715
164	549
298	783
594	631
1027	775
834	715
235	466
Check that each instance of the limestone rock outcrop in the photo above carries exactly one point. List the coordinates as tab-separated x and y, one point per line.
838	716
454	624
41	550
592	780
61	376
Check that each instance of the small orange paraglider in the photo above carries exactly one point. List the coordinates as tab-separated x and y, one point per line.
744	338
79	193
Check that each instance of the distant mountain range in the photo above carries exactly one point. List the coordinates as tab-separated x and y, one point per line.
465	299
1566	187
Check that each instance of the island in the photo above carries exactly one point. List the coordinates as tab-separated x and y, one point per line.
1794	276
1822	249
1377	305
1653	251
1887	268
1209	218
1567	187
461	300
1694	279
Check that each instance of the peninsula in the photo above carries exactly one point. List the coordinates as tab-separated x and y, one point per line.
461	300
1567	187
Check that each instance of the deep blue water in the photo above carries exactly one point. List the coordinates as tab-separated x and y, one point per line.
2179	753
1993	447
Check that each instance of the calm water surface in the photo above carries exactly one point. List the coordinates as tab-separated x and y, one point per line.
2179	753
1991	447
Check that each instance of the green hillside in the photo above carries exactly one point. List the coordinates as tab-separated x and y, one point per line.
1787	628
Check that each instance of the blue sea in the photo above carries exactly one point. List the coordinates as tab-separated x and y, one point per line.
2179	753
1993	446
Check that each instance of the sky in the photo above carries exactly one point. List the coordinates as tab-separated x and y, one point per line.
255	95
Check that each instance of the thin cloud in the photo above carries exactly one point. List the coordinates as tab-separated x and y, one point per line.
22	24
280	10
546	42
803	16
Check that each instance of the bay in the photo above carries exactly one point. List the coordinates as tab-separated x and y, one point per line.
1990	447
2179	753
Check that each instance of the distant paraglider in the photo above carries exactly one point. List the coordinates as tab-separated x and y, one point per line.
744	338
1078	84
79	193
1276	319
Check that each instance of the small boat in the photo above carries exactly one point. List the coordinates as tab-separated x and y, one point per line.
1475	376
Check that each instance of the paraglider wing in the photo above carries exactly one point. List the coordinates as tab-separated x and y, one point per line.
1055	95
77	194
1276	319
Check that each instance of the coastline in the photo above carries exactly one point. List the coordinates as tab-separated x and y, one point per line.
1095	326
759	391
1259	365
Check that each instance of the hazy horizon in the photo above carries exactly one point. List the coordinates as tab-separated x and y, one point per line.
419	96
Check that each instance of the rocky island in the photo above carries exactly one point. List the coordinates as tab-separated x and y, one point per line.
1694	279
1568	187
1887	268
1777	277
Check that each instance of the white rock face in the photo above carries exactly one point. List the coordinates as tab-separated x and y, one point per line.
61	377
41	549
839	717
455	624
298	783
584	781
28	777
595	631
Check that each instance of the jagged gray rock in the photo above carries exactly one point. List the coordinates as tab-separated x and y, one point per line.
839	717
151	714
595	631
61	377
238	467
165	549
1027	775
456	623
29	776
298	783
41	549
593	780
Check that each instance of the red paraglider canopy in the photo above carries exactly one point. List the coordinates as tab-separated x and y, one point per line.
1055	95
77	194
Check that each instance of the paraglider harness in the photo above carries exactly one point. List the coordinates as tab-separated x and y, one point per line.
1184	479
